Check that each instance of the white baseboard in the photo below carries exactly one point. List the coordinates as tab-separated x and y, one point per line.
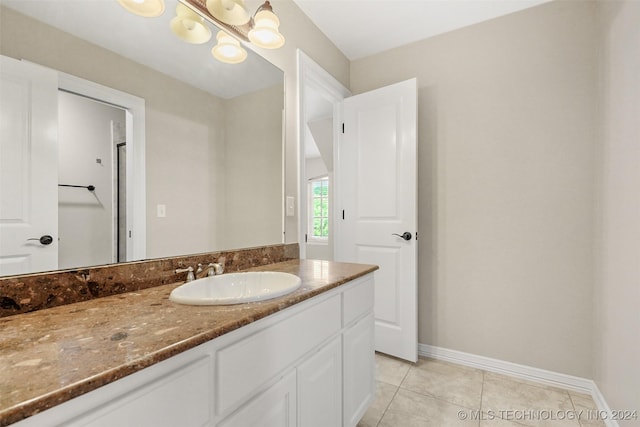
542	376
602	405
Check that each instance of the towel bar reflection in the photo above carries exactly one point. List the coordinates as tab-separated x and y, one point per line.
88	187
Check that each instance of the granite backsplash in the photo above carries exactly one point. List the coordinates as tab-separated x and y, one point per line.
31	292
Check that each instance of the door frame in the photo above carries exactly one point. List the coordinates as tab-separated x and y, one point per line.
312	76
135	136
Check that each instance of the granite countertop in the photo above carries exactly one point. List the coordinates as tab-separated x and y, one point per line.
50	356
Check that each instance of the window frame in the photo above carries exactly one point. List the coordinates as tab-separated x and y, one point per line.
310	238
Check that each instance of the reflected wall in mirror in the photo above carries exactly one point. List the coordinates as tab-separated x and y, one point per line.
213	161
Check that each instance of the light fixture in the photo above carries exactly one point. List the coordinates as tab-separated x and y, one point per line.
146	8
229	15
230	12
265	31
189	26
228	49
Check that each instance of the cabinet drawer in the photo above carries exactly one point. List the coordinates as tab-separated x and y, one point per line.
359	299
182	397
246	365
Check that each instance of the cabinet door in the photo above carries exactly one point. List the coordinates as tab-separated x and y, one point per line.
359	370
320	387
262	355
275	407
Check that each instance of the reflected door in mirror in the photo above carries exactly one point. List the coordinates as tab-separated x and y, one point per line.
28	168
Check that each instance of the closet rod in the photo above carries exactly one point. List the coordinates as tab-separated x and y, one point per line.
88	187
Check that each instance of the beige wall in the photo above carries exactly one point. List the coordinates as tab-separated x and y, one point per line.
617	296
253	169
506	183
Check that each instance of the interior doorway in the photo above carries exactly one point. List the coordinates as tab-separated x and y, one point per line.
90	203
127	163
319	94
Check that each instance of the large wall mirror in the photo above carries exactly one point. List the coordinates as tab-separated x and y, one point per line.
213	140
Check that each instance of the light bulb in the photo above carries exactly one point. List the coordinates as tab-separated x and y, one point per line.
228	49
189	26
146	8
265	32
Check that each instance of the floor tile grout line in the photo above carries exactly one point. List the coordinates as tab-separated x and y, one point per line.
430	396
575	410
406	374
387	407
394	396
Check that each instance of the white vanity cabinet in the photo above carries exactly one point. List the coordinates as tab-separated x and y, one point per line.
311	364
274	407
320	387
358	352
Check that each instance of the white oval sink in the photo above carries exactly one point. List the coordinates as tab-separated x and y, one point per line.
235	288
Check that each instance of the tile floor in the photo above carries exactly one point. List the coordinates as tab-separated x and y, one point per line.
440	394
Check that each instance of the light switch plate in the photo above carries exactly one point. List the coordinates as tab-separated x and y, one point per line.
161	211
291	202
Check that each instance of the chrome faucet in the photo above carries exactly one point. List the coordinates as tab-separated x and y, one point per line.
189	271
216	268
212	269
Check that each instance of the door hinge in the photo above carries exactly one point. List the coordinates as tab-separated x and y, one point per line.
129	233
343	128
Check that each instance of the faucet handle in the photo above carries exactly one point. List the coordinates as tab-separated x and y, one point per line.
189	271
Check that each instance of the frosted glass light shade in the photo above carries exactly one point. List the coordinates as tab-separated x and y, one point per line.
265	31
228	49
189	26
146	8
230	12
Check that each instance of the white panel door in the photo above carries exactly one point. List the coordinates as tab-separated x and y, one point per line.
378	197
28	167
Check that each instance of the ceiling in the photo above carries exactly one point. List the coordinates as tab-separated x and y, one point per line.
360	28
357	27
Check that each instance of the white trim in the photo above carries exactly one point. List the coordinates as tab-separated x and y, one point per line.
136	177
529	373
602	405
313	76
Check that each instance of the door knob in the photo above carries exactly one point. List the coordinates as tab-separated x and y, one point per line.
44	240
406	235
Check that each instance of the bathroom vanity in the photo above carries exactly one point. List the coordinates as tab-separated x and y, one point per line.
138	359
